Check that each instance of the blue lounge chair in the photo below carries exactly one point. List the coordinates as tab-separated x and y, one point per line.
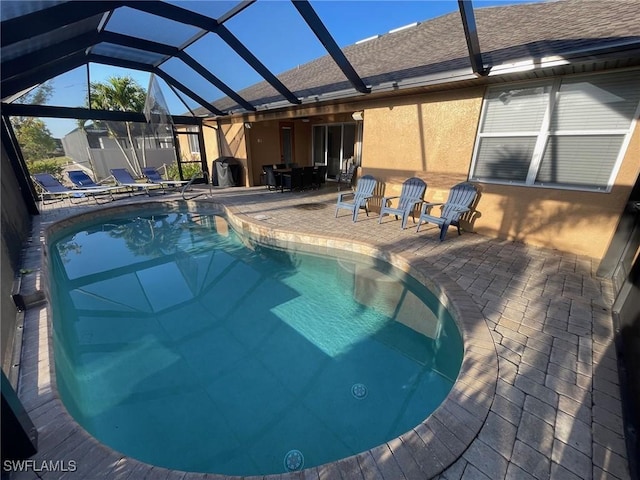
124	179
411	195
154	177
81	180
364	191
460	199
50	188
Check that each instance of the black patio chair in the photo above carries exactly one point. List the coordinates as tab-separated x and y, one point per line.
271	179
292	180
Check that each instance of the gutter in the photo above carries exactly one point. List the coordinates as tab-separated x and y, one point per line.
623	50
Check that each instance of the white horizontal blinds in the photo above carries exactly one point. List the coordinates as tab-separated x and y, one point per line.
589	123
504	158
510	126
599	102
568	135
509	110
579	161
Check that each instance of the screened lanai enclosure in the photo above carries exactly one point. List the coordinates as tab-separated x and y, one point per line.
192	58
94	86
183	86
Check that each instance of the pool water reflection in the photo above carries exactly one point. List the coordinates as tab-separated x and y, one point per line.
185	345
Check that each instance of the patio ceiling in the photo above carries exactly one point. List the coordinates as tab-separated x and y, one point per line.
44	39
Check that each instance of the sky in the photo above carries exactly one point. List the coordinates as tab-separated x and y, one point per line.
272	30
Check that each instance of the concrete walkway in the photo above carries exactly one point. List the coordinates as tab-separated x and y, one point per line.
554	405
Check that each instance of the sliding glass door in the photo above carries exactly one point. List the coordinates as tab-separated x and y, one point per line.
333	146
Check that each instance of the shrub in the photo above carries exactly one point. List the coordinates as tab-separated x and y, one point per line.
188	170
53	167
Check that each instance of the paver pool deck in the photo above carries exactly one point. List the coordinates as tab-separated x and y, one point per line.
538	396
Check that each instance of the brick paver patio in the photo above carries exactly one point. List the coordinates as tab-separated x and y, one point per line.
551	408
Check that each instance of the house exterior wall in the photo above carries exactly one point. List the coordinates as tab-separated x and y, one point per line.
232	142
184	148
433	137
211	144
264	145
572	221
262	141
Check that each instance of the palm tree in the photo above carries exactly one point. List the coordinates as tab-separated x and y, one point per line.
121	94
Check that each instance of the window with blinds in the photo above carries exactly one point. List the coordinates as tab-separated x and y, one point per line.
567	132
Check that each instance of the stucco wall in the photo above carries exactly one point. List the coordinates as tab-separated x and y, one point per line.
264	145
578	222
433	137
211	147
231	142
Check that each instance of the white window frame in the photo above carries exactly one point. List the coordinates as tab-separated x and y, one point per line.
544	133
193	139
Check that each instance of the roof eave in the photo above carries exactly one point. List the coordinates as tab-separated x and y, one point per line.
460	78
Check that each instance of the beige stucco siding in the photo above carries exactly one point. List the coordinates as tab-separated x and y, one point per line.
430	136
264	144
572	221
211	147
230	142
433	137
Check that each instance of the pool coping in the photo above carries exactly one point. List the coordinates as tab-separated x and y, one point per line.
423	452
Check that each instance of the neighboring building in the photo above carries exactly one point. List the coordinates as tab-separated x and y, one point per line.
550	134
93	149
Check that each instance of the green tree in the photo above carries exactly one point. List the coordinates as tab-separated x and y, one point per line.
121	94
35	139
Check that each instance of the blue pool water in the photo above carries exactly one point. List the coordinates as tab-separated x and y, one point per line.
181	344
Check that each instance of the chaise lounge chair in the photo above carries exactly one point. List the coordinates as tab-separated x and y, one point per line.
81	180
412	194
52	189
460	198
154	177
364	191
124	179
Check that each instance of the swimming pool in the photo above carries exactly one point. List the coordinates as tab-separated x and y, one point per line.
181	373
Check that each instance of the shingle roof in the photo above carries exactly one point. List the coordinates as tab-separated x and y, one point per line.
506	34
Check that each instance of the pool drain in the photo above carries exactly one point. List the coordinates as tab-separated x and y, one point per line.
359	391
293	461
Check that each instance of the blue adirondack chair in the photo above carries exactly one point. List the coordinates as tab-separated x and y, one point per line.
364	191
412	194
460	198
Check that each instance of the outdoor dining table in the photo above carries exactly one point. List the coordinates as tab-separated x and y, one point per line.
279	173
